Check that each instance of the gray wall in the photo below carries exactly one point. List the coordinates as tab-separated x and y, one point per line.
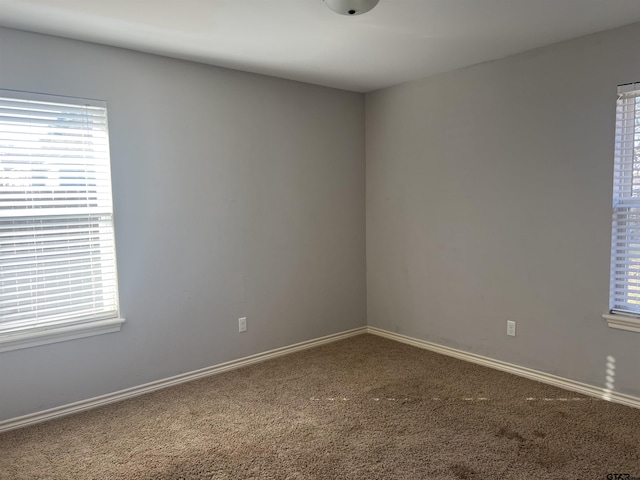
235	194
489	199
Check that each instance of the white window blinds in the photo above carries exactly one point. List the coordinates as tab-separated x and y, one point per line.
57	253
625	242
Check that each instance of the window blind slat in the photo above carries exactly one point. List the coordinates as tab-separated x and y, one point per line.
52	211
43	279
49	240
51	269
58	312
62	296
59	320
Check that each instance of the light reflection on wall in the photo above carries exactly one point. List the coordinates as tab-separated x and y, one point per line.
610	377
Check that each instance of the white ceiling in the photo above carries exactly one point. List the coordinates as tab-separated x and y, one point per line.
399	40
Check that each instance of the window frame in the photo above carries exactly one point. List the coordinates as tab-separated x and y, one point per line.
625	206
35	333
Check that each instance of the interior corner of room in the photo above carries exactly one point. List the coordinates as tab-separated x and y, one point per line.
434	211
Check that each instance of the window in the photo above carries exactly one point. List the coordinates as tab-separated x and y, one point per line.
57	251
624	291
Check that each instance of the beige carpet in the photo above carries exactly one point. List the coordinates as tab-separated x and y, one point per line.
362	408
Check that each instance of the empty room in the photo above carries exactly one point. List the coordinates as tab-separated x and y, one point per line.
319	239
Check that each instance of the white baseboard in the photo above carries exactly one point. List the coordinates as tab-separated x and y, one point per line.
601	393
88	404
91	403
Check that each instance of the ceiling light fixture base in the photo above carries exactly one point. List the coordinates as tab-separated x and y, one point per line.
351	7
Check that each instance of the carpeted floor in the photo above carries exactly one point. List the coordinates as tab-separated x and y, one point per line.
362	408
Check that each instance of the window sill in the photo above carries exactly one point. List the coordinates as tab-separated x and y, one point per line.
623	322
59	334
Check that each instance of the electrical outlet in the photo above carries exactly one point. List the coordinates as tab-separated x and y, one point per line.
242	324
511	328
